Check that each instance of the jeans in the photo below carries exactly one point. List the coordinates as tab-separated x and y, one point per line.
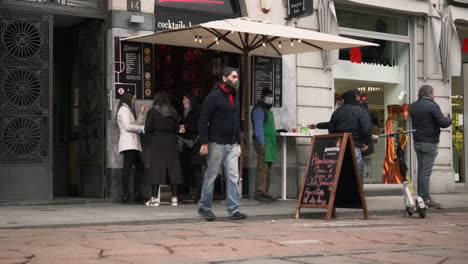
132	157
426	154
360	162
228	156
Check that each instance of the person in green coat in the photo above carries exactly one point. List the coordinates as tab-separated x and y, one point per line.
264	141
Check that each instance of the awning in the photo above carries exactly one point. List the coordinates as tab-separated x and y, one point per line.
246	36
401	6
450	47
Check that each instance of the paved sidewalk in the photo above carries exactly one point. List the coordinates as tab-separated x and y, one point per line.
59	215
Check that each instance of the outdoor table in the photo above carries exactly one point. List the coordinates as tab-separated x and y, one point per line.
310	134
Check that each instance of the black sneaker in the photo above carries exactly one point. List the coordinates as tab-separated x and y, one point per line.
207	214
262	198
270	197
431	204
237	216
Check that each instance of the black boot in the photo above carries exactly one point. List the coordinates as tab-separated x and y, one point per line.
125	198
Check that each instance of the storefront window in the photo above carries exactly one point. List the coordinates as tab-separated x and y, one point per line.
370	22
458	128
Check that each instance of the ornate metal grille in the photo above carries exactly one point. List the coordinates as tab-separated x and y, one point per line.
24	87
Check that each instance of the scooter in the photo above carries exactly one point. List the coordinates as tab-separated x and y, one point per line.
410	204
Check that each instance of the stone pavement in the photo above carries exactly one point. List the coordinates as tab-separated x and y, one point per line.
441	238
62	215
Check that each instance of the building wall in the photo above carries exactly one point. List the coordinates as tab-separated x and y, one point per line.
442	179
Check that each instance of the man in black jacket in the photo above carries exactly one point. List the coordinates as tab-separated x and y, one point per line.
427	119
352	118
219	128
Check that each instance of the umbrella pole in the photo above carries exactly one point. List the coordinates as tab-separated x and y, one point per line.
244	116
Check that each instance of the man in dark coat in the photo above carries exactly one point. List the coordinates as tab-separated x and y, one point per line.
219	129
352	118
427	119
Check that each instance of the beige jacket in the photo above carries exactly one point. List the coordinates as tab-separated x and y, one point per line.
129	129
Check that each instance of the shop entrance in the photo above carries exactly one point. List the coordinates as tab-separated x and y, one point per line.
78	108
377	96
179	70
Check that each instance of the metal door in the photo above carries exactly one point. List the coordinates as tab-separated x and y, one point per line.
25	108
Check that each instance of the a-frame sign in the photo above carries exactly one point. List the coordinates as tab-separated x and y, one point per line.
332	178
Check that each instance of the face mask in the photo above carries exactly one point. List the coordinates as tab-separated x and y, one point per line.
268	100
186	106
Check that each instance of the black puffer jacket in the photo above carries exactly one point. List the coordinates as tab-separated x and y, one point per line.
219	121
352	118
427	119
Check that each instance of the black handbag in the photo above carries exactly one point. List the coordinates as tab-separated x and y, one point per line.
184	142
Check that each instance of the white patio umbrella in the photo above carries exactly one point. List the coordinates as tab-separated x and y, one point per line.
249	37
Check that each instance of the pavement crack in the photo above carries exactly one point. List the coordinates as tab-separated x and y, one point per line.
28	259
442	261
168	249
101	254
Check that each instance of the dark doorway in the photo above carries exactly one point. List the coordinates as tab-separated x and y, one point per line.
78	103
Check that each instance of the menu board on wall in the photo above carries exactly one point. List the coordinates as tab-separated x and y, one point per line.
267	73
134	64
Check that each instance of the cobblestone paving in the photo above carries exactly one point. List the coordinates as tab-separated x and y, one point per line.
440	238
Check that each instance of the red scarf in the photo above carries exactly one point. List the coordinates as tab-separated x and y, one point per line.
230	94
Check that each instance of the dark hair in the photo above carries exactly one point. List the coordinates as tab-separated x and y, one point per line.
349	97
425	91
266	91
161	98
126	98
227	71
163	105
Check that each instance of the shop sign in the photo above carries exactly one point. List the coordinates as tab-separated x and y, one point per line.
299	8
175	19
356	56
465	45
267	73
134	5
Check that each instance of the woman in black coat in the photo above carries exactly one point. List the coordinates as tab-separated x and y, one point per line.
164	168
192	161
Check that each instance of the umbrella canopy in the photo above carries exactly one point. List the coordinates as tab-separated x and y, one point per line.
245	36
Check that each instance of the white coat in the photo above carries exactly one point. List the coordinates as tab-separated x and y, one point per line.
129	129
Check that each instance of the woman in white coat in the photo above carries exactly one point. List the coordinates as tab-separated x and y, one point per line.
129	143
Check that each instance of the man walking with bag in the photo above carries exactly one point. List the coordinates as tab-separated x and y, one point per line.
219	129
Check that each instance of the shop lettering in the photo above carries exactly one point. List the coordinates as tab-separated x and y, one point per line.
173	25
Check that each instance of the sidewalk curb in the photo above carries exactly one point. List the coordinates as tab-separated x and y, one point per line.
304	215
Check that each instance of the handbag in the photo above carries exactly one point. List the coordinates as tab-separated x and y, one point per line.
184	142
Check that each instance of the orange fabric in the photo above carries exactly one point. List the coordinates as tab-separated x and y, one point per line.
391	167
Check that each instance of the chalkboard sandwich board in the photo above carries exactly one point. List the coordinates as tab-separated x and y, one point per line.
332	178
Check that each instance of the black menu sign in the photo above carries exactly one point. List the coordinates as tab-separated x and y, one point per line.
332	177
134	64
267	73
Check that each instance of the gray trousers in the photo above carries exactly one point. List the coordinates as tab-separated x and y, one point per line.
426	154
